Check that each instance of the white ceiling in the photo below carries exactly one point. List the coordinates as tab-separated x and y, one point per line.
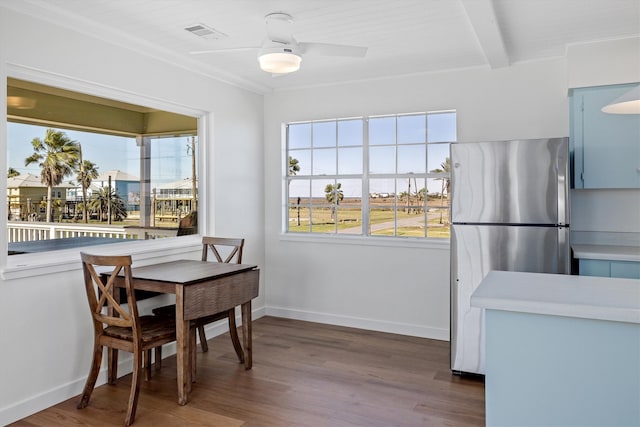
403	36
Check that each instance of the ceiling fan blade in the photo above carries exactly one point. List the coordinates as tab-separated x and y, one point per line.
224	50
327	49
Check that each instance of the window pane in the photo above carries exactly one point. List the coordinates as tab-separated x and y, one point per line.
382	130
350	219
170	180
382	207
299	188
438	203
300	135
351	191
350	132
382	160
438	158
412	129
439	225
323	207
410	207
411	158
324	161
381	190
437	189
410	193
441	127
350	160
324	134
303	163
382	221
299	206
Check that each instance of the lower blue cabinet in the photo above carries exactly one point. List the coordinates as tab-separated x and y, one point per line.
604	268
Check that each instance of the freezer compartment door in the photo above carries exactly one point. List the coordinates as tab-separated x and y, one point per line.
513	182
476	250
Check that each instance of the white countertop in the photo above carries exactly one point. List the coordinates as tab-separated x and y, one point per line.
600	298
607	252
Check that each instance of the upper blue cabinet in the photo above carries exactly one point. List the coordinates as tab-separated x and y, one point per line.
606	146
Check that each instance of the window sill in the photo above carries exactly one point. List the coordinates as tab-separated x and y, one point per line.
37	264
336	239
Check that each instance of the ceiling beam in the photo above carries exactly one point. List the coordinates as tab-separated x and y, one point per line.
483	19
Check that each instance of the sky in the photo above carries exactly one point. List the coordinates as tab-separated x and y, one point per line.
171	157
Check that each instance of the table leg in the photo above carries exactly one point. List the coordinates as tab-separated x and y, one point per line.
246	334
182	348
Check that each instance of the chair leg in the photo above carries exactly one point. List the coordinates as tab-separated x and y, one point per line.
92	377
203	339
233	332
158	360
147	365
112	369
135	388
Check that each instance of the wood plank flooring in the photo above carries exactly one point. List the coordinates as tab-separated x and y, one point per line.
304	374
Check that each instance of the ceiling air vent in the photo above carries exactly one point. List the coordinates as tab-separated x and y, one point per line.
205	32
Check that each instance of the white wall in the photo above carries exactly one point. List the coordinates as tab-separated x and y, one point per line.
402	288
46	335
604	63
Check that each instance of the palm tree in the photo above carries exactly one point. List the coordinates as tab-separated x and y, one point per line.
57	155
100	203
87	173
294	167
445	167
334	195
11	172
421	194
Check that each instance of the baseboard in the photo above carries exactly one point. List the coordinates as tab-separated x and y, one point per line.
360	323
31	405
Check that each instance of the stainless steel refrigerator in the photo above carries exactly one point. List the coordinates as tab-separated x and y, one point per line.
509	211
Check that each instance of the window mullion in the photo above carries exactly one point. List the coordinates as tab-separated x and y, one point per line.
366	230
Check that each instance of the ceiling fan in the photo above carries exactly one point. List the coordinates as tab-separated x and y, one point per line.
280	53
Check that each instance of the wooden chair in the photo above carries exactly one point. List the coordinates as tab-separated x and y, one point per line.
120	328
215	245
188	225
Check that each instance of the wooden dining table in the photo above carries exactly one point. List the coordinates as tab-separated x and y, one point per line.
201	288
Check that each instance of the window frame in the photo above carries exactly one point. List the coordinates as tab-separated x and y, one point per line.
27	265
366	176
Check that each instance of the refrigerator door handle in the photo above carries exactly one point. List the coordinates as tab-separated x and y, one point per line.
562	166
564	256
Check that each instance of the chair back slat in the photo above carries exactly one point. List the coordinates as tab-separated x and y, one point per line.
116	314
214	244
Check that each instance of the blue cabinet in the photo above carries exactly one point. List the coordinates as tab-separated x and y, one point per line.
604	268
606	147
561	371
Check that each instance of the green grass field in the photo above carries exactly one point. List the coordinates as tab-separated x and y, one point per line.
348	219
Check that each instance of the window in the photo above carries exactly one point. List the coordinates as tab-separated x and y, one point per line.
141	165
399	162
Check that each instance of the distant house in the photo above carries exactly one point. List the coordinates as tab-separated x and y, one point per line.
174	200
25	194
125	185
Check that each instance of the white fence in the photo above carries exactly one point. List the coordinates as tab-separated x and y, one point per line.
19	231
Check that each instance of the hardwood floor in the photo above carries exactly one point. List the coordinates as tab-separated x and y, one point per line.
304	374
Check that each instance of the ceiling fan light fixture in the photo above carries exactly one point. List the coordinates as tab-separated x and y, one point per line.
628	103
279	60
